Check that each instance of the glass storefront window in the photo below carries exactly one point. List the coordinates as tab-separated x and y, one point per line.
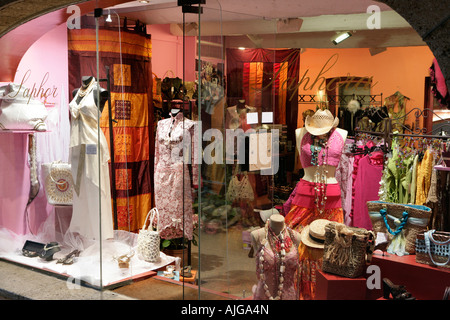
198	124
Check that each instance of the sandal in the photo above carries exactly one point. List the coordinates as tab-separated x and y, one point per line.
68	259
398	292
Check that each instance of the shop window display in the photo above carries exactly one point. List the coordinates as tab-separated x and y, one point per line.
252	230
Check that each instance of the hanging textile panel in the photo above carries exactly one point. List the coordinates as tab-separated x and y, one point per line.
129	62
266	79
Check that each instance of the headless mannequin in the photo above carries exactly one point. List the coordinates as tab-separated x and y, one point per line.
85	81
276	222
310	171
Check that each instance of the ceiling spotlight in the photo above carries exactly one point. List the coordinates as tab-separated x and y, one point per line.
241	48
342	37
108	18
144	1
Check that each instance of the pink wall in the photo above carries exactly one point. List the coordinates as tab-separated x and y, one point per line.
45	65
397	69
167	53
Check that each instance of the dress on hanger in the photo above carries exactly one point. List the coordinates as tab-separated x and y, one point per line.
424	171
86	171
175	139
367	184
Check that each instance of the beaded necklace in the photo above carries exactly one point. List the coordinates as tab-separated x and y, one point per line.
280	244
321	174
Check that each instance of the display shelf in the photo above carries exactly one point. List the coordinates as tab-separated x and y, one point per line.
333	287
423	281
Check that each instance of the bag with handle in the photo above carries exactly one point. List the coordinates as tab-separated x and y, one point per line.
400	222
148	240
58	183
433	248
347	250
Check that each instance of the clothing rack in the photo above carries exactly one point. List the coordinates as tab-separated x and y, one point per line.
387	135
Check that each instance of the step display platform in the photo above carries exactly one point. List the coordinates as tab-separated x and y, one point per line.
423	281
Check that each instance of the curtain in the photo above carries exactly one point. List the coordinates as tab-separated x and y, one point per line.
129	62
266	79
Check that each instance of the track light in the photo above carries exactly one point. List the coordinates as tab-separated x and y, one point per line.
108	18
342	37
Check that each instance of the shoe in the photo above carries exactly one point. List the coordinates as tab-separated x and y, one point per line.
398	292
382	246
49	250
186	272
68	259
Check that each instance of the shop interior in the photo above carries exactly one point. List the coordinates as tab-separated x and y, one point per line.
227	65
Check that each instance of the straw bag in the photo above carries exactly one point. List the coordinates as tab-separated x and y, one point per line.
148	239
58	183
398	220
347	250
433	248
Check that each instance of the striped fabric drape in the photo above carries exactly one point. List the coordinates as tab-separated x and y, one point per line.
266	79
129	61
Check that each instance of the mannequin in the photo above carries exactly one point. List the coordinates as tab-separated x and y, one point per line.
320	144
88	174
276	260
85	81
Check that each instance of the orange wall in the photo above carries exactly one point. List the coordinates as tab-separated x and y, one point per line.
397	69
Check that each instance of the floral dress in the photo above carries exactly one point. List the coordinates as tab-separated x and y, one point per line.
175	148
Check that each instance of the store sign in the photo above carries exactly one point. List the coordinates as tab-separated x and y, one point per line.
39	92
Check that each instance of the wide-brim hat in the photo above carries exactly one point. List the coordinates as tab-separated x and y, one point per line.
321	122
266	214
313	235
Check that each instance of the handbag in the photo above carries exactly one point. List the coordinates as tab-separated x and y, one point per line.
19	111
399	220
148	241
58	183
433	248
347	250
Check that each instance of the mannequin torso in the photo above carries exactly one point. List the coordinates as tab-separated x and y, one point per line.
311	170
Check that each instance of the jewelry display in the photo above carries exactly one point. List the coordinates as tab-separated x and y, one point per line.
83	91
279	244
321	174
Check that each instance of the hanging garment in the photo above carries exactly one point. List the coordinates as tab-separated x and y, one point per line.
240	189
271	273
88	176
175	139
367	184
396	106
344	177
413	186
424	170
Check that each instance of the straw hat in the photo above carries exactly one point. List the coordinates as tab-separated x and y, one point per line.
266	214
321	122
313	235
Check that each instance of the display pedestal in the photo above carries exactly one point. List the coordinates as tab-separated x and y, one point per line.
333	287
423	281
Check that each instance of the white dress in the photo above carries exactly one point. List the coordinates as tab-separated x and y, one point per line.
87	173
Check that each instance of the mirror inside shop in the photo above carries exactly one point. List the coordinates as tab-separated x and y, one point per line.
226	150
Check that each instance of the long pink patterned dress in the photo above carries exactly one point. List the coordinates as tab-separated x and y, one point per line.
175	148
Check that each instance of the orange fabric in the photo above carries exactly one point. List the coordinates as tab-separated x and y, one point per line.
310	259
255	84
282	93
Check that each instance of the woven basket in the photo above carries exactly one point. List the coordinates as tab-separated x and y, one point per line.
347	250
417	220
437	253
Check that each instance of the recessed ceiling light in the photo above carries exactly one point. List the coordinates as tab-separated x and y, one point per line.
342	37
241	48
144	1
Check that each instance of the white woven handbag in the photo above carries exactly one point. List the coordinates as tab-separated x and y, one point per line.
58	183
148	239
